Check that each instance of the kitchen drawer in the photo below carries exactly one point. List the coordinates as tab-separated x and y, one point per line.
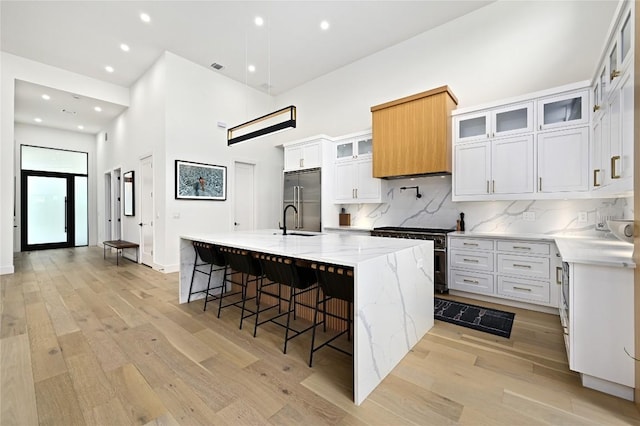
528	266
471	281
523	289
476	260
524	247
471	243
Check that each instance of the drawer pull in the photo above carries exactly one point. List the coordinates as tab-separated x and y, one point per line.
521	288
558	274
470	281
517	265
471	260
470	244
521	248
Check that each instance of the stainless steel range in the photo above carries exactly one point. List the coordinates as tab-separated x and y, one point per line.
439	238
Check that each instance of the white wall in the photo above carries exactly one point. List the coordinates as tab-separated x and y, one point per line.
505	49
26	134
175	107
136	133
16	68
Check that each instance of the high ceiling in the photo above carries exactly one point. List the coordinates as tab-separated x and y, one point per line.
288	50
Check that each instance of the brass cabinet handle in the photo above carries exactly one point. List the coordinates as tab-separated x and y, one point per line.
470	244
517	265
596	108
521	288
614	74
559	270
470	281
471	260
302	162
595	177
614	159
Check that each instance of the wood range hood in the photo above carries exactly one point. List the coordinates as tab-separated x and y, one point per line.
412	135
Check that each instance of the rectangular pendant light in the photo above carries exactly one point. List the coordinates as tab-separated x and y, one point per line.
270	123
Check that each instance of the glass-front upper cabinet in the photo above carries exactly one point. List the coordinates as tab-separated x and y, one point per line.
512	120
626	33
354	147
563	110
470	127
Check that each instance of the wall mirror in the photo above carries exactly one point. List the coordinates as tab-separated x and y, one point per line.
129	199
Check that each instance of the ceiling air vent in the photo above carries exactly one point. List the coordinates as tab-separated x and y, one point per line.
217	66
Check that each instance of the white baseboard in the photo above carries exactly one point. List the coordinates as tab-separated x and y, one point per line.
7	269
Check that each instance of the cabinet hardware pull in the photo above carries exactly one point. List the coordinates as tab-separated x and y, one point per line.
470	281
471	260
595	177
488	136
493	186
488	188
559	269
614	174
521	248
541	127
517	265
614	74
521	288
493	135
470	244
356	192
596	108
302	162
540	184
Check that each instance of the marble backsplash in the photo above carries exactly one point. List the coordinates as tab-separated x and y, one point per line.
436	210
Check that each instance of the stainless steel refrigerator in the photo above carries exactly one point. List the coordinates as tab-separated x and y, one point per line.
302	189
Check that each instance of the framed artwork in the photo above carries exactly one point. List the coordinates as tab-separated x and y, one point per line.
199	181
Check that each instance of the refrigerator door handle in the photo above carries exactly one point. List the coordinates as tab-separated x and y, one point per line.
295	204
300	215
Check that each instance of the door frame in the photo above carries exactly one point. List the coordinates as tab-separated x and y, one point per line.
233	194
143	258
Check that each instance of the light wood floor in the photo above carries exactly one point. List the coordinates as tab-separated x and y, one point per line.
85	342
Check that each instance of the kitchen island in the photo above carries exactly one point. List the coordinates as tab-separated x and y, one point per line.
393	295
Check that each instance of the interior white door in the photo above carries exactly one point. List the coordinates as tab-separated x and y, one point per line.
107	206
244	197
146	211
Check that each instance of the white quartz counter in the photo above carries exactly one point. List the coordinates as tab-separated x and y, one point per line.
603	249
393	289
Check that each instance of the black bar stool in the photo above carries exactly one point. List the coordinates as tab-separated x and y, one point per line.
211	261
336	282
241	261
283	271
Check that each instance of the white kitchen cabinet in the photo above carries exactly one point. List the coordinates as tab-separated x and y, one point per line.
600	327
500	166
563	159
354	181
526	271
301	156
567	109
354	148
494	123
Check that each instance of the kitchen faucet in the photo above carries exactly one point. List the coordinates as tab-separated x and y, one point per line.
284	218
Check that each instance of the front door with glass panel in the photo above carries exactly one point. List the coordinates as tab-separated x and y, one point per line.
54	195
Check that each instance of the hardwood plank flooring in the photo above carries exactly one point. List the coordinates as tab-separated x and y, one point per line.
83	341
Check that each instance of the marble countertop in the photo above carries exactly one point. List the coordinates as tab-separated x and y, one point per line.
347	228
346	249
603	249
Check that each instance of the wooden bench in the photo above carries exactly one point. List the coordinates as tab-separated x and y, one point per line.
119	245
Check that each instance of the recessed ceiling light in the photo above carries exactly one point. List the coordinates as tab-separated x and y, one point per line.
38	120
124	47
81	127
259	21
145	18
109	68
46	97
97	109
324	25
251	68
